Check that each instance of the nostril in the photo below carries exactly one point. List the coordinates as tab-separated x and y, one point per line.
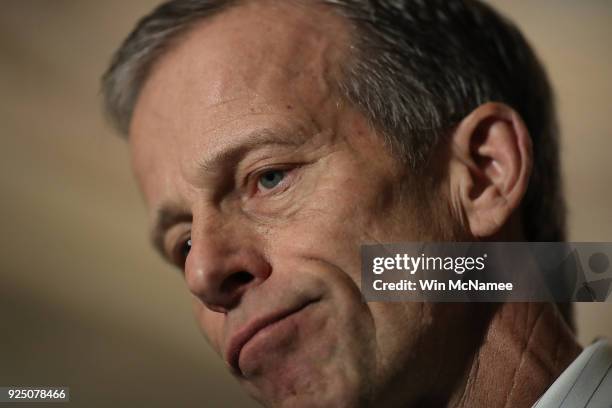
235	281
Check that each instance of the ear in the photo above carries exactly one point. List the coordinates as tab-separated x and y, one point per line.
490	165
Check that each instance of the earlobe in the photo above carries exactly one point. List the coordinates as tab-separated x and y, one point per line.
490	167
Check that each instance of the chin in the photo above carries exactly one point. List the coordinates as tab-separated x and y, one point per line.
321	391
320	370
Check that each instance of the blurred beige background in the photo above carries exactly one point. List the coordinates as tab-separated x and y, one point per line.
85	302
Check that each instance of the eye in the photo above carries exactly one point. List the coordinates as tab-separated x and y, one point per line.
270	179
183	251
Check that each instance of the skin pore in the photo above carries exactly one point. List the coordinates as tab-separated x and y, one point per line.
263	182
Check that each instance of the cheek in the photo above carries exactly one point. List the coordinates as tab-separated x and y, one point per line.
331	224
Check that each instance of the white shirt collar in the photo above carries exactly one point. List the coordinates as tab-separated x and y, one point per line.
587	382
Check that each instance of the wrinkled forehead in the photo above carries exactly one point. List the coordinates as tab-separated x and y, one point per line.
257	47
251	58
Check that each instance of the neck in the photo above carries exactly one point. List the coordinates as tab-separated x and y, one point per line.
526	347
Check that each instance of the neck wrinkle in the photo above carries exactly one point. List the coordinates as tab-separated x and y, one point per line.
526	347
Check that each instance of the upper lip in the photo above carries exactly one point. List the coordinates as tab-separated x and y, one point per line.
246	332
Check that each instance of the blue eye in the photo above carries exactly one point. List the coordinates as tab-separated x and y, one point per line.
271	179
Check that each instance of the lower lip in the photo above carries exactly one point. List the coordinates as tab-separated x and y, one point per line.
273	338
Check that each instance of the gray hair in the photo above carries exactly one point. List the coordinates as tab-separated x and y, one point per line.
417	68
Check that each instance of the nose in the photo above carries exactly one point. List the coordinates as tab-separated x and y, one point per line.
221	267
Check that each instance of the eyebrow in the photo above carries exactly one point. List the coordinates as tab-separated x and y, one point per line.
233	152
168	215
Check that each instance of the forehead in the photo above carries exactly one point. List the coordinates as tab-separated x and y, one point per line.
231	70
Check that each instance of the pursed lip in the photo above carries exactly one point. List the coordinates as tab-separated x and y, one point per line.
249	330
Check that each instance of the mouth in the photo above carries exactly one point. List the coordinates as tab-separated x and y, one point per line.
247	332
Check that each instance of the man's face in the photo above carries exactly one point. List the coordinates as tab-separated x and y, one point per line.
241	144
